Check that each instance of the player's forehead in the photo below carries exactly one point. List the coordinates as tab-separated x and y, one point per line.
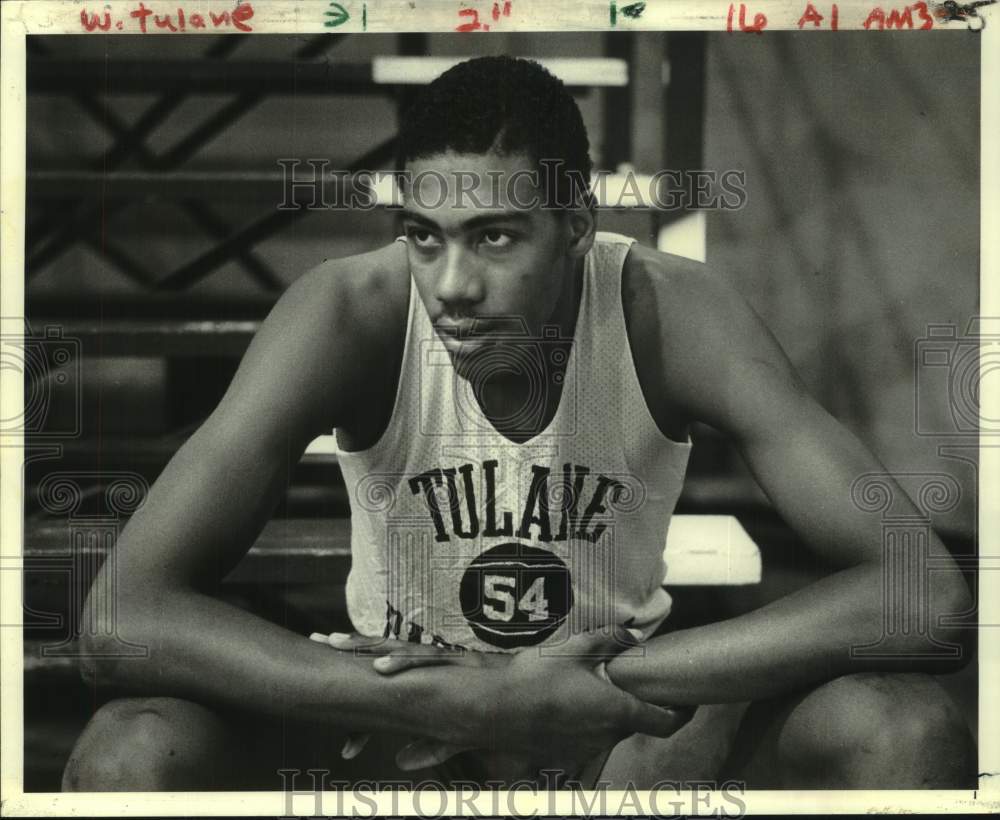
454	186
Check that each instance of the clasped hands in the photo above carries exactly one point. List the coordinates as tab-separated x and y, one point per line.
554	705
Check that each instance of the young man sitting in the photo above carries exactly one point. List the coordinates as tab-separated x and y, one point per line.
512	393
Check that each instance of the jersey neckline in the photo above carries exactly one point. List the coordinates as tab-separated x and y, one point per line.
569	380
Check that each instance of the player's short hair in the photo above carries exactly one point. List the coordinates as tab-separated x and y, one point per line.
505	104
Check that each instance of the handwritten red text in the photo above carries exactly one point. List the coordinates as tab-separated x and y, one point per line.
473	24
880	20
757	26
811	15
148	19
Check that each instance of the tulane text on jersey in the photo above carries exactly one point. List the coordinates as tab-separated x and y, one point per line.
582	496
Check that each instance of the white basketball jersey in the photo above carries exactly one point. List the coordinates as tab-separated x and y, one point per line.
460	536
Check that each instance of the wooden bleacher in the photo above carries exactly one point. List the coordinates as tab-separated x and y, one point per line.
713	550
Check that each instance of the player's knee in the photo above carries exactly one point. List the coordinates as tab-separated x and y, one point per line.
877	731
144	744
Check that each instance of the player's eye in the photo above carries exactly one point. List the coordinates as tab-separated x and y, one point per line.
422	238
497	238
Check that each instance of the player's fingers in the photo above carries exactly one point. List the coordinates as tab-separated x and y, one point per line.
355	743
659	721
413	656
600	644
369	645
423	753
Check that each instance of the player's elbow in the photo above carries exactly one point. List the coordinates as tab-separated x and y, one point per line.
93	667
115	631
98	657
97	661
916	624
946	645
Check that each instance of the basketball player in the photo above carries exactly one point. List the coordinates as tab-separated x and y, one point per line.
513	393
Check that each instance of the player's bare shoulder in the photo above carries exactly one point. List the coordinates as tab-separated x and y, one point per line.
695	338
324	350
362	303
367	290
688	298
682	320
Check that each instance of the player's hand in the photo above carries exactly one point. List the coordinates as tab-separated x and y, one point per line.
565	699
553	707
360	644
553	703
356	741
421	753
391	656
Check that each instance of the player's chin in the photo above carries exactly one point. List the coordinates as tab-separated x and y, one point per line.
467	353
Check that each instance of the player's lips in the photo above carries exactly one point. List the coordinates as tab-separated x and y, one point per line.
456	333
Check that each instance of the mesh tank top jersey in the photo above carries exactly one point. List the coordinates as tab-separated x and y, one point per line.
461	537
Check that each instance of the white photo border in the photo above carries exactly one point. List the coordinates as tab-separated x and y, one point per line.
49	17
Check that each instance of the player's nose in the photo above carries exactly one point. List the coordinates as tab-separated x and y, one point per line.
459	280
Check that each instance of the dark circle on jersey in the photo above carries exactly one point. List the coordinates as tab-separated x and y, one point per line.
515	595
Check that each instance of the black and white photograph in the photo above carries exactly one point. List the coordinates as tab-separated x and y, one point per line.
488	410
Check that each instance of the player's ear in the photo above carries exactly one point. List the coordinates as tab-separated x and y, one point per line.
582	223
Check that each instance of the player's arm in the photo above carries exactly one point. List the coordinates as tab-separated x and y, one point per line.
304	373
728	371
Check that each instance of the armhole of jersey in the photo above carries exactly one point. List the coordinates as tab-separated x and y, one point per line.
389	430
632	370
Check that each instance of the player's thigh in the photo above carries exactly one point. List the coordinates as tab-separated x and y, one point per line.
695	753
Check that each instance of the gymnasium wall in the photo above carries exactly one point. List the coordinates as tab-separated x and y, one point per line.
862	222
